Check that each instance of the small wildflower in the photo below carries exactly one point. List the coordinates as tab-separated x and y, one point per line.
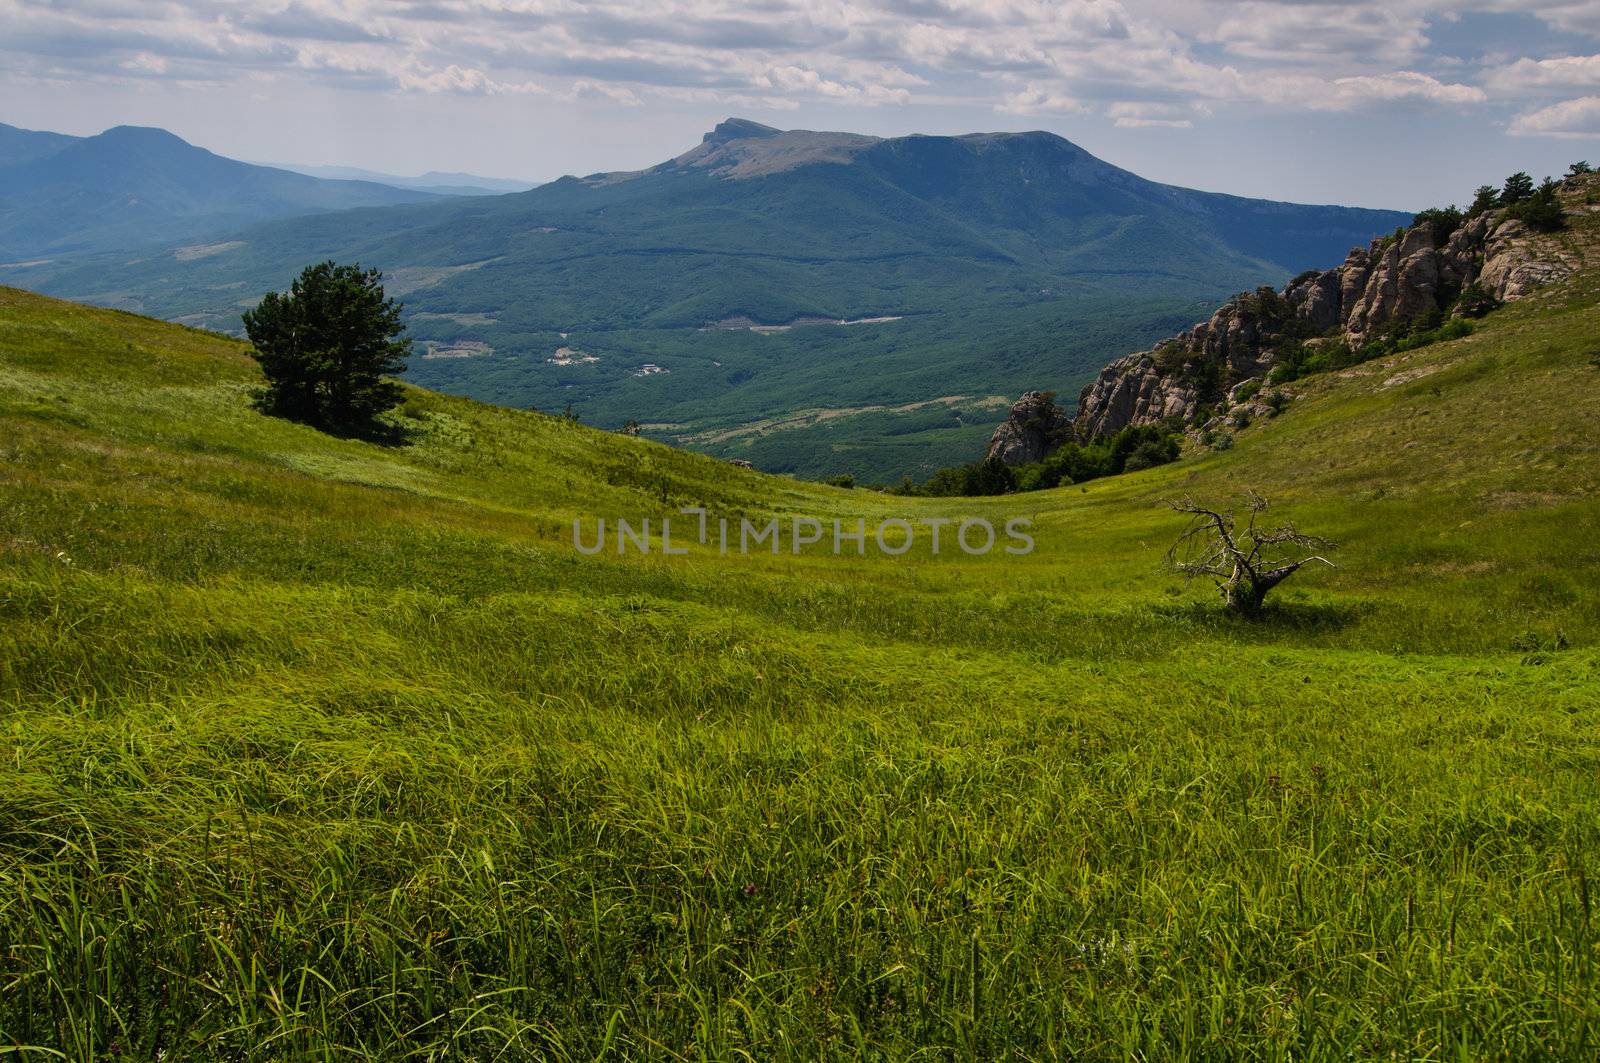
749	889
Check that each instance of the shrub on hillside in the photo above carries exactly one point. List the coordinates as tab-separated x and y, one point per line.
990	476
1541	209
1298	359
1032	478
1441	221
1169	356
1151	453
1475	300
1409	339
1133	448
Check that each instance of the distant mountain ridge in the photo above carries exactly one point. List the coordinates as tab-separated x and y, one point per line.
18	146
451	184
132	185
984	262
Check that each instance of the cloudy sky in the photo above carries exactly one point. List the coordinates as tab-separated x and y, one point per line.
1397	103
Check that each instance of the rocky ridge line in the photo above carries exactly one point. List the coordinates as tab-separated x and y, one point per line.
1378	290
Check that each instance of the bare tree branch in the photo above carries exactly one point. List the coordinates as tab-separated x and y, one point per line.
1247	565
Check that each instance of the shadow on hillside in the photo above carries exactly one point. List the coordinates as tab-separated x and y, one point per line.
1310	618
384	433
383	430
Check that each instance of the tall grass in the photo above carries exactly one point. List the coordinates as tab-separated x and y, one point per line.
312	749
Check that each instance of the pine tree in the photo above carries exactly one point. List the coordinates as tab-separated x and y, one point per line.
327	345
1519	186
1484	199
1542	209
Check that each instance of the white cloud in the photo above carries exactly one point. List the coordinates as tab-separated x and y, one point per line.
1579	118
146	63
1139	63
1543	75
468	81
1038	99
1572	16
583	88
1134	114
1154	123
791	80
1281	33
1405	85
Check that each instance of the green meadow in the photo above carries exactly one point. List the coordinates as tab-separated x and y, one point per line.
315	748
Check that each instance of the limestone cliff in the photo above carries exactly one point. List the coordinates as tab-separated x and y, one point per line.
1413	277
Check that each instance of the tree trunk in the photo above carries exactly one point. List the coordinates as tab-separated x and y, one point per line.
1245	593
1244	597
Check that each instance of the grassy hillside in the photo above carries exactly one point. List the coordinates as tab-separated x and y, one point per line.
998	261
315	748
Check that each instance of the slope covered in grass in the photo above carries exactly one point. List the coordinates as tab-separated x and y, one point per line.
312	747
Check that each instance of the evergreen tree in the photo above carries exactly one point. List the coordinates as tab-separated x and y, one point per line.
327	345
1578	169
1484	199
1518	187
1542	208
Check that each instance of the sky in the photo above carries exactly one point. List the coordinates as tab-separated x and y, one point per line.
1399	103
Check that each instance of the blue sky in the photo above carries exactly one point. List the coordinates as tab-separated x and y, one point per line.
1402	103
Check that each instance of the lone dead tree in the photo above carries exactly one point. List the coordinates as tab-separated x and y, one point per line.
1245	565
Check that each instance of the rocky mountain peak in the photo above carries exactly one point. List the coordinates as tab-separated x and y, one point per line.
738	129
739	148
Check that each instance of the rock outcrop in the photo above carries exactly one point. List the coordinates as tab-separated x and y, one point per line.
1034	427
1378	290
1133	390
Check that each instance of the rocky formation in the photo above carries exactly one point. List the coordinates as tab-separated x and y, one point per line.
1034	427
739	148
1399	280
1511	271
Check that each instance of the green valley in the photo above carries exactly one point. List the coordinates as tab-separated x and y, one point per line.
970	267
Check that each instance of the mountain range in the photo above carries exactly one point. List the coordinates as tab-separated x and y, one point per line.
814	302
451	183
130	186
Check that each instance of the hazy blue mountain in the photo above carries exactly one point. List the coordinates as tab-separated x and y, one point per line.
1002	260
132	186
25	145
444	183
